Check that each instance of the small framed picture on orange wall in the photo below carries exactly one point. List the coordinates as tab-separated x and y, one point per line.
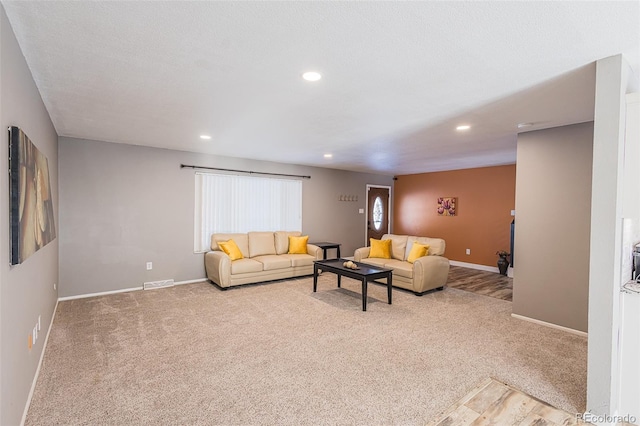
447	206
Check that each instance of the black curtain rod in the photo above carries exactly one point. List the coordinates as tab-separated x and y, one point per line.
183	166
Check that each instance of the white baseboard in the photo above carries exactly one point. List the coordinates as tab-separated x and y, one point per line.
481	267
199	280
35	377
123	290
102	293
474	266
550	325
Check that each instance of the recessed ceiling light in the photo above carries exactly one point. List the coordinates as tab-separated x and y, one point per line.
523	125
312	76
463	127
205	137
328	155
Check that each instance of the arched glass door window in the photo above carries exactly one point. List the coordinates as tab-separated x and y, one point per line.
377	213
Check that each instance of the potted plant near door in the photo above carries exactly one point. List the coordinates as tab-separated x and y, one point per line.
503	262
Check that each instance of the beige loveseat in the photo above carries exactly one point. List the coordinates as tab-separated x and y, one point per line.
425	273
265	259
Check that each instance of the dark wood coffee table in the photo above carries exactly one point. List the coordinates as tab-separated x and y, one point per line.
365	273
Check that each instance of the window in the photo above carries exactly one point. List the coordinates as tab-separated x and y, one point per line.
377	213
228	204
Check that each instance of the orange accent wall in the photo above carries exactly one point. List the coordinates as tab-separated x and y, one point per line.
482	223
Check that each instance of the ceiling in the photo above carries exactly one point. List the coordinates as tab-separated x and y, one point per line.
398	77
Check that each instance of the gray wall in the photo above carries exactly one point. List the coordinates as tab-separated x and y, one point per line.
553	205
124	205
26	290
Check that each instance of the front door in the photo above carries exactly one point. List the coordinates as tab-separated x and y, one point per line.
377	212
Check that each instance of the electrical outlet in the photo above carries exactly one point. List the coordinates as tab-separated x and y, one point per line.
39	323
149	266
55	287
468	251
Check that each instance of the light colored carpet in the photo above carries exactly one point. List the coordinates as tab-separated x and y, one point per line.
280	354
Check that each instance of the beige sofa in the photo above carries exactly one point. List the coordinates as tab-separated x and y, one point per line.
265	259
426	273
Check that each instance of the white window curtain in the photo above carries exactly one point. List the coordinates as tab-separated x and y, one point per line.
229	203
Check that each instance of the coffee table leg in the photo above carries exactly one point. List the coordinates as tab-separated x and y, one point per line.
389	286
315	278
364	294
339	280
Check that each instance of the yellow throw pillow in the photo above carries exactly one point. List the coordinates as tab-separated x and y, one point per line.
380	248
231	248
417	250
298	245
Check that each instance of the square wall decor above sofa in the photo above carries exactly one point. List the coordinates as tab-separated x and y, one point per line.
31	206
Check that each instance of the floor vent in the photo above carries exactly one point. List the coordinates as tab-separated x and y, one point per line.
158	284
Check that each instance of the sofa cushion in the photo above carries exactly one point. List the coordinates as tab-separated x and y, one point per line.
403	269
298	245
245	265
231	249
282	240
261	243
375	261
299	259
273	261
436	245
398	245
241	240
417	250
380	248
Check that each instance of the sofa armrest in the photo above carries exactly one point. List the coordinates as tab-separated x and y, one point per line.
430	272
361	253
315	251
218	267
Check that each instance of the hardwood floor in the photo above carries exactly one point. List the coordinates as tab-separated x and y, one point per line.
486	283
494	403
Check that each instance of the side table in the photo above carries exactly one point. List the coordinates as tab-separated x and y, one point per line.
327	246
